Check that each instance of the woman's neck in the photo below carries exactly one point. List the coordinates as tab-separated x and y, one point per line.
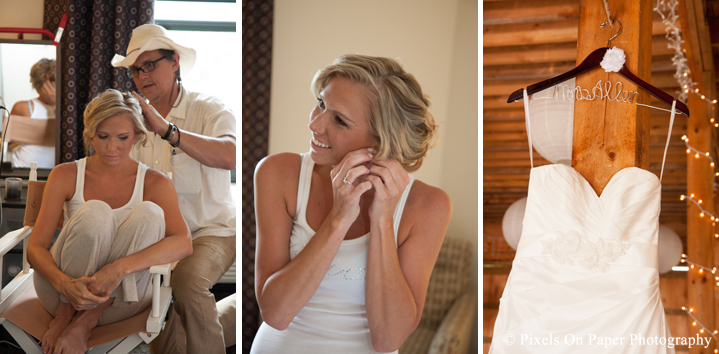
96	164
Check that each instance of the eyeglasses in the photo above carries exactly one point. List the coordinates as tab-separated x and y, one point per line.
145	68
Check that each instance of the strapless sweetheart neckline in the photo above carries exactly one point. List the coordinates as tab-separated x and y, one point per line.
610	184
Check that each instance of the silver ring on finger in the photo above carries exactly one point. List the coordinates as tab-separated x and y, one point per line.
345	181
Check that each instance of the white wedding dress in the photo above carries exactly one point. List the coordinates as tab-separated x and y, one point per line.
584	278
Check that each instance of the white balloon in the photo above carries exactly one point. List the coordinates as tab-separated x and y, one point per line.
512	222
670	249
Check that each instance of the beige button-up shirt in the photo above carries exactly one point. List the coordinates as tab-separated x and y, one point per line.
203	192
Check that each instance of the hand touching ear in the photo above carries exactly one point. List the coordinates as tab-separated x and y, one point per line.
389	180
347	186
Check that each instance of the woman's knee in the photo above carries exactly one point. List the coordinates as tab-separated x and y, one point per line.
147	211
94	211
92	219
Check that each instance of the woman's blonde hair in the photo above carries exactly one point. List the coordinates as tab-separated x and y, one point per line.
43	70
399	120
109	104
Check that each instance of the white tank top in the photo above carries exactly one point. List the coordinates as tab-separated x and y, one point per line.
78	199
26	153
335	319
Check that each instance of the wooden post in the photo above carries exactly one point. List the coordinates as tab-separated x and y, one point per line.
701	244
699	229
611	135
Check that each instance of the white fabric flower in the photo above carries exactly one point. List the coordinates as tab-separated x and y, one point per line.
572	249
613	60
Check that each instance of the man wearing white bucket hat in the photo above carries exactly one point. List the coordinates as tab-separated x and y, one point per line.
199	134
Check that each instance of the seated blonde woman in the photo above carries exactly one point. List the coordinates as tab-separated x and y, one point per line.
346	237
121	217
42	77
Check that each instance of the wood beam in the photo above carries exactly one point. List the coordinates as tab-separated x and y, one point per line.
700	246
609	136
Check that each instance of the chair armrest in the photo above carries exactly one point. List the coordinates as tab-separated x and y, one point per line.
164	269
23	279
12	238
161	296
455	331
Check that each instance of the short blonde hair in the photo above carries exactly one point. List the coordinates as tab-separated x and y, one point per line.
399	118
43	70
109	104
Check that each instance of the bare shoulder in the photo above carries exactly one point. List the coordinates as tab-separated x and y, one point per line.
428	200
426	213
63	171
276	182
156	178
279	169
282	163
62	178
157	184
20	108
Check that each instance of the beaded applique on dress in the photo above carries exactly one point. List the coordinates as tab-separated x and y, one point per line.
571	248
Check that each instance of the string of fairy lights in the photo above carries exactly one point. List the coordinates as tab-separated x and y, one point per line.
667	9
713	218
698	202
695	321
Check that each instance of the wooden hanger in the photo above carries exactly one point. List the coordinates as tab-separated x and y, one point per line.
592	61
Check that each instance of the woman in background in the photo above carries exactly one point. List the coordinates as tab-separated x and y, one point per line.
121	218
346	238
42	77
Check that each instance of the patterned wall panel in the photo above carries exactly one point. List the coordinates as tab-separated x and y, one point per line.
95	31
256	68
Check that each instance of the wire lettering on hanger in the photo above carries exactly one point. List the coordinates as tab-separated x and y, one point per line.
602	90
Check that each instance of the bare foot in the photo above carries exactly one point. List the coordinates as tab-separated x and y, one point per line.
74	339
63	316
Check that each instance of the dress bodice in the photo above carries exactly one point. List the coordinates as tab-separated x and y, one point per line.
566	220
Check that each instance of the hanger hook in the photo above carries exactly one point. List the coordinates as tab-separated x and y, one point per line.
616	34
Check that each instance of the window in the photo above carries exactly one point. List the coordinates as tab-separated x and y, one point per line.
210	29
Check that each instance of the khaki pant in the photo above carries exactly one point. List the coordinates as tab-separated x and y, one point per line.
93	238
195	326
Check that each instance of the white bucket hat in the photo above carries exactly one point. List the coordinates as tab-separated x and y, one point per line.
153	37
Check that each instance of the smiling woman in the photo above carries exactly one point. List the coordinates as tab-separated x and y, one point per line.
346	238
340	121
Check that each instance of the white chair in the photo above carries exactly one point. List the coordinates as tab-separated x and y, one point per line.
24	317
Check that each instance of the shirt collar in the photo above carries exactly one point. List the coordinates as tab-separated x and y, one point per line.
180	106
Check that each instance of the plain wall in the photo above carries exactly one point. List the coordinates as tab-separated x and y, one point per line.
437	41
460	156
24	14
21	13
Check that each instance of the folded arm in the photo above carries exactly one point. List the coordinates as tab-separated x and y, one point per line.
174	246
